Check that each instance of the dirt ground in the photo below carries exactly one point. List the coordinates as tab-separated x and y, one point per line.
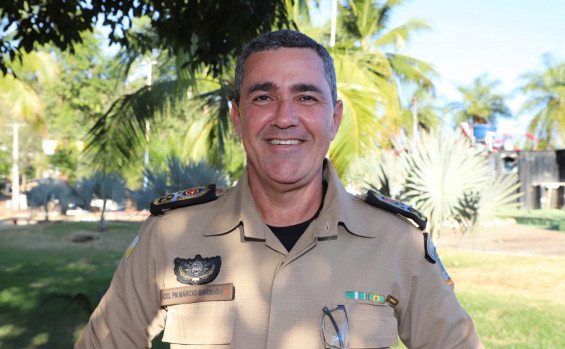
499	237
506	237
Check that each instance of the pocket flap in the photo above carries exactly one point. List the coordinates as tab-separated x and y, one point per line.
372	326
200	323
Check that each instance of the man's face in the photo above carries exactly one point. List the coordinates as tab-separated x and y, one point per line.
285	117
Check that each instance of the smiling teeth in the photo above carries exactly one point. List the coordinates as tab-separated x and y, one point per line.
284	142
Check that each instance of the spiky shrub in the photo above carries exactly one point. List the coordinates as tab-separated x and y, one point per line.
177	176
47	190
444	178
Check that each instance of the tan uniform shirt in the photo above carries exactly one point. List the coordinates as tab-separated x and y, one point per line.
279	295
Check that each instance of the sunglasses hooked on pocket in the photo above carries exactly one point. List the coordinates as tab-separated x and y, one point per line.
335	327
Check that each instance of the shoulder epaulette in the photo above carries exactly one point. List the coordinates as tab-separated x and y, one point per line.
386	203
188	197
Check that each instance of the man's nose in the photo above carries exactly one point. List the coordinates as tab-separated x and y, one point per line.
286	114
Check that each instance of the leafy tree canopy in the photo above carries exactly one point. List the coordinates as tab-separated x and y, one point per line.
208	31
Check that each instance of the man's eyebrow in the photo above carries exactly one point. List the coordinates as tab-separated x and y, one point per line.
262	86
305	88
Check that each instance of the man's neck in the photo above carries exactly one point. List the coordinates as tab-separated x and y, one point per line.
285	205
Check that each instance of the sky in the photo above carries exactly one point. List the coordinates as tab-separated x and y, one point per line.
502	38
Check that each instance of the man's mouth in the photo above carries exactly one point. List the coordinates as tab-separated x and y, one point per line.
284	141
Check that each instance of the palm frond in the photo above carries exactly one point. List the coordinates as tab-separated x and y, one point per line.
409	69
402	34
545	93
360	128
500	193
119	134
442	173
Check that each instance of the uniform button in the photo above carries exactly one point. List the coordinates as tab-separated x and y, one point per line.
327	226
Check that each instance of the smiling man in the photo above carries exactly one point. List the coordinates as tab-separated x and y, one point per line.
286	115
287	258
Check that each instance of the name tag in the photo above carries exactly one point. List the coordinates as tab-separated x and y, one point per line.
197	293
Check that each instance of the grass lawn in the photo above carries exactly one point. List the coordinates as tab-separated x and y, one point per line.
516	302
553	219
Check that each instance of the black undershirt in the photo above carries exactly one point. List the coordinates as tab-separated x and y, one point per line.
289	235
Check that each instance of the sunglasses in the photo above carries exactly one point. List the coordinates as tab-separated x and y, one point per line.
335	327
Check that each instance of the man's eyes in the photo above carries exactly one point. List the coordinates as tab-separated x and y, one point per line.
267	98
308	98
262	98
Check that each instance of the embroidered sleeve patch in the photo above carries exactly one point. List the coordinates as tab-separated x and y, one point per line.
386	203
193	196
444	273
431	255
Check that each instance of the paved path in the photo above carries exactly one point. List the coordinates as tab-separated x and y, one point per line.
507	238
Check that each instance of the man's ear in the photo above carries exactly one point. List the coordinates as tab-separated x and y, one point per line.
336	117
236	118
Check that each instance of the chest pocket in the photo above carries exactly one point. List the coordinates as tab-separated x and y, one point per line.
200	325
372	326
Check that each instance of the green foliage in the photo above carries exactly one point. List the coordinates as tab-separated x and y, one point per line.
210	42
88	82
546	98
20	88
65	160
429	116
177	100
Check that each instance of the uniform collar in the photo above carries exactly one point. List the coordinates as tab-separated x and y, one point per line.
237	206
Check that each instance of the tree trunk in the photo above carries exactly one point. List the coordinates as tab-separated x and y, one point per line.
46	207
102	223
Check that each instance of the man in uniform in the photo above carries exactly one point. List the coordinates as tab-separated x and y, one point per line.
287	258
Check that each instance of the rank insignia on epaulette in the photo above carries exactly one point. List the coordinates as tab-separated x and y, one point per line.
183	198
386	203
429	249
197	270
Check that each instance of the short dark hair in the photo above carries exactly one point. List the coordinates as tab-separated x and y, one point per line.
289	39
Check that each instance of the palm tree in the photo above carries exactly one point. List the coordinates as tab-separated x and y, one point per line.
480	103
420	108
545	94
20	88
109	186
196	101
20	99
368	76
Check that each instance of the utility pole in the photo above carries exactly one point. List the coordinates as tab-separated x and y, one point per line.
15	167
148	82
334	20
414	120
